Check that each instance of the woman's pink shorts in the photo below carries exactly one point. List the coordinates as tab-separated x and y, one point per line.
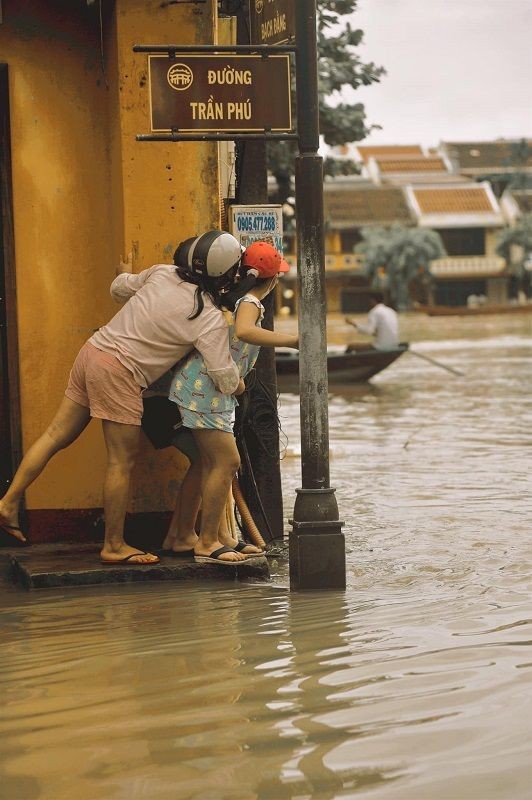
102	384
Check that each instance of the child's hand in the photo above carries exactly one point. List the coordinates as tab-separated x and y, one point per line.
240	389
125	266
295	341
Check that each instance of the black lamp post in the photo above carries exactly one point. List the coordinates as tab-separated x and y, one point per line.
317	545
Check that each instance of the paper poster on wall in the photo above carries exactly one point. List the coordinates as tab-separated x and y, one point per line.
257	224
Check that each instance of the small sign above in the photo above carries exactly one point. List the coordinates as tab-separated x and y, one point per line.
272	21
220	93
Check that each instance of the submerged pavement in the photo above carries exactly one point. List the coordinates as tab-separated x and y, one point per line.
44	566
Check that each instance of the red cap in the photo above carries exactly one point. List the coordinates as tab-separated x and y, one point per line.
265	259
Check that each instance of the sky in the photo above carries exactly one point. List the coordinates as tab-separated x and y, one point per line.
457	70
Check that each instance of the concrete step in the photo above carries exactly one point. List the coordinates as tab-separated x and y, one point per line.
44	566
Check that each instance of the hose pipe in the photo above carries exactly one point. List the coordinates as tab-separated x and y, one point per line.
245	513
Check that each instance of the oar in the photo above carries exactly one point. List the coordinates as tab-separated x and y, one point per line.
436	363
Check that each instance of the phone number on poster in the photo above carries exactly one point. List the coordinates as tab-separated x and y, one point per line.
258	222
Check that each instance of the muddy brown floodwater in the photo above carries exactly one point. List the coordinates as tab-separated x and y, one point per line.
413	685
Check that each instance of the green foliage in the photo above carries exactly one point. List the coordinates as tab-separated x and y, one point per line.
404	254
338	66
519	237
340	166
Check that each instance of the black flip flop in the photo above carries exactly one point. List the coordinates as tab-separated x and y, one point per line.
7	539
214	557
241	546
176	553
128	563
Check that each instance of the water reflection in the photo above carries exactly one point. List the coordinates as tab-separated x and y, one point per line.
218	697
313	765
214	692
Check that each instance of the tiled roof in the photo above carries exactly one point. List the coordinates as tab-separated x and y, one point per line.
352	208
374	151
486	156
411	164
464	200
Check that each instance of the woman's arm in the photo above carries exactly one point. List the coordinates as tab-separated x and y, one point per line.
213	345
247	331
126	284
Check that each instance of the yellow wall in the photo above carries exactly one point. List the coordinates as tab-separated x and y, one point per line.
333	242
492	235
84	192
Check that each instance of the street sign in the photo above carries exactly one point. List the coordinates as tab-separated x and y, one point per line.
220	93
272	21
262	223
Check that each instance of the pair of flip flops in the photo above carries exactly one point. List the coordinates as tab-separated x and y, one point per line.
8	539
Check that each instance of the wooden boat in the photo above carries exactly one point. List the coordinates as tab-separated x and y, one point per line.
466	311
343	366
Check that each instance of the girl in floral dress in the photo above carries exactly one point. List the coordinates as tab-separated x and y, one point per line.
201	404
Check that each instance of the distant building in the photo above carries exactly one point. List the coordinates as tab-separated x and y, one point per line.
366	151
452	189
350	204
502	162
348	207
402	170
468	218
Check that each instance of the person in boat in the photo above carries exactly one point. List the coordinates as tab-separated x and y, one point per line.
382	324
208	413
167	311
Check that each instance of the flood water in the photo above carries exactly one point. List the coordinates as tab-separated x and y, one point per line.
416	684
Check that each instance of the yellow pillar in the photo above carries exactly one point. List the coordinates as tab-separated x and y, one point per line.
85	192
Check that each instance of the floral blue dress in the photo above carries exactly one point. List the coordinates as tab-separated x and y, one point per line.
200	403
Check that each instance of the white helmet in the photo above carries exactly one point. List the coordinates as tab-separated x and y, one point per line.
211	255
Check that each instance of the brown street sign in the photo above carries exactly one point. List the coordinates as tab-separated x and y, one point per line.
272	21
220	93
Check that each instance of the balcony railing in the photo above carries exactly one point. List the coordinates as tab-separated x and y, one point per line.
452	266
335	262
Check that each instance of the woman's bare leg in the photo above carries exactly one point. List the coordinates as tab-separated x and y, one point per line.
122	443
181	534
70	420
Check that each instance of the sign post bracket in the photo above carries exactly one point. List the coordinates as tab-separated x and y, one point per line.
212	137
249	49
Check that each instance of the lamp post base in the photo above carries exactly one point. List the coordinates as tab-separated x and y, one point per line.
316	542
317	560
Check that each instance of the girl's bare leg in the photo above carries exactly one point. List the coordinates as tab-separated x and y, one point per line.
227	534
220	461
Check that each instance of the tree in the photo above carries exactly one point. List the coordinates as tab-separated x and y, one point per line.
398	259
515	246
339	66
